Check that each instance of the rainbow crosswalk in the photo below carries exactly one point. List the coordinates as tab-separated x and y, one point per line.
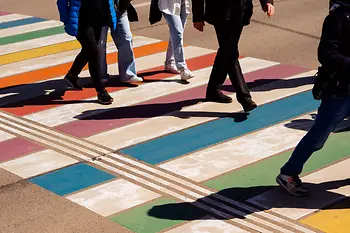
160	158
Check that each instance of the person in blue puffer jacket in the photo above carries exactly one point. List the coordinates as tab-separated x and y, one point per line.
84	19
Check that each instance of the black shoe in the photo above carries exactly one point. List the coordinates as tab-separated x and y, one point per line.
248	105
218	96
104	97
73	81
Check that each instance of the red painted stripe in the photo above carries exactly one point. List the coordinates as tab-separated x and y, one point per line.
16	147
41	103
122	116
4	13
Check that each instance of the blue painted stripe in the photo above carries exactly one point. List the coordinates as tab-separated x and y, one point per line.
21	22
71	179
201	136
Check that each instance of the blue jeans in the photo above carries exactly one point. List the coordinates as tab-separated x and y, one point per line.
330	113
175	52
122	38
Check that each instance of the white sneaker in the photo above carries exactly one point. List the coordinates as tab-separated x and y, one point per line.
134	79
171	67
186	74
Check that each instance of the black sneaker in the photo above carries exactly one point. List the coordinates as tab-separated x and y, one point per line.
104	97
218	96
248	105
73	81
292	184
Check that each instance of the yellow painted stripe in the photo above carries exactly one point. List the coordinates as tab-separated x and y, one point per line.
42	51
335	219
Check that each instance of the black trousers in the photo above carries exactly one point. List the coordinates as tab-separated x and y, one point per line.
88	37
226	62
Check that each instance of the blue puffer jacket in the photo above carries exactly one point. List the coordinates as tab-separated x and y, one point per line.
69	14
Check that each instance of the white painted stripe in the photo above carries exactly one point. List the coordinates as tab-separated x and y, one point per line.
29	28
177	195
12	17
5	136
327	186
207	225
113	197
60	58
172	122
65	114
37	163
35	43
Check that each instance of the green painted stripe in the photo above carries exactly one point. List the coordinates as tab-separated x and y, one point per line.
31	35
157	215
259	177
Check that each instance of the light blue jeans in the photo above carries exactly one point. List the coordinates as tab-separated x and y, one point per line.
175	53
122	38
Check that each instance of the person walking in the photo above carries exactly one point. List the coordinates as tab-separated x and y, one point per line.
332	87
84	19
228	18
176	13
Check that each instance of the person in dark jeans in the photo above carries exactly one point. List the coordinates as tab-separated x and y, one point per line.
84	19
334	56
228	17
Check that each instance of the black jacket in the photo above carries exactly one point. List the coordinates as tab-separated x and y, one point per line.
215	11
334	53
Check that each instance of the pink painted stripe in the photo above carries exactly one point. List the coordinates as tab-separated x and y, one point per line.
122	116
4	13
16	147
119	117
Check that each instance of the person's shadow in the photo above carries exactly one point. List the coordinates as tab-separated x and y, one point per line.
319	193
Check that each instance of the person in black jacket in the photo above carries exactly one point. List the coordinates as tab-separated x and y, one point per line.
332	86
228	17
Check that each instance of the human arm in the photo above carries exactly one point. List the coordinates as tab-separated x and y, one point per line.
198	14
268	7
63	9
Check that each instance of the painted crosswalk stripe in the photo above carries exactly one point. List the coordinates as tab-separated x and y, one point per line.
331	219
234	154
159	106
31	35
248	65
327	186
4	13
176	121
58	57
29	28
8	50
7	17
20	22
121	165
160	88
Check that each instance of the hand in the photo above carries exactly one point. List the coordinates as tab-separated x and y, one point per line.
199	26
269	9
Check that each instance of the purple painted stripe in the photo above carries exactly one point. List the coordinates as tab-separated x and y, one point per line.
4	13
122	116
16	147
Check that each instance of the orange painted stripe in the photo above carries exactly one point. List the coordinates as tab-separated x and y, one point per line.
62	69
41	103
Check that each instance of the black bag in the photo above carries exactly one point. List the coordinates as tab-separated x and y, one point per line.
324	80
155	15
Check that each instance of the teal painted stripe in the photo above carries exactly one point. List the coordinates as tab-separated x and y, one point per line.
204	135
21	22
31	35
71	179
